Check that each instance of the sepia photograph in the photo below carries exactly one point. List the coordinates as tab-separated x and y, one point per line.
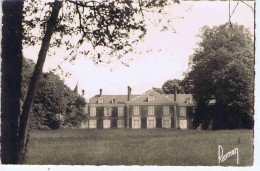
128	82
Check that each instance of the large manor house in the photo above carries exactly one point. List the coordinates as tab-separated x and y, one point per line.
149	110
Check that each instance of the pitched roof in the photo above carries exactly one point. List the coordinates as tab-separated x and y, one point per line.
158	98
108	98
180	98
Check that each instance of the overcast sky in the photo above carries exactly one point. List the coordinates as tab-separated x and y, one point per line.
168	60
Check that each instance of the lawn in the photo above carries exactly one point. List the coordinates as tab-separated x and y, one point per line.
138	147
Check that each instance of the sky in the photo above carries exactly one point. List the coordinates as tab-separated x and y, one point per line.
167	60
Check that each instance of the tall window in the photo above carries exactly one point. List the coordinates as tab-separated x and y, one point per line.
150	110
120	111
166	123
100	100
151	98
106	123
120	123
136	122
136	110
193	110
92	111
182	111
151	123
165	110
107	111
92	123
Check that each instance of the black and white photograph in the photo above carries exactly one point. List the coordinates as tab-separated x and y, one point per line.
128	83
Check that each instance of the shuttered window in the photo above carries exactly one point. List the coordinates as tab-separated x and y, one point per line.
92	111
136	110
165	110
182	111
120	111
108	111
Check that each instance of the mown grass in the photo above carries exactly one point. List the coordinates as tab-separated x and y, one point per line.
138	147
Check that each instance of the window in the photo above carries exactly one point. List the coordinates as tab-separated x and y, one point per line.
136	110
114	100
193	110
166	123
182	111
136	123
150	110
120	123
92	111
107	111
151	98
106	123
183	124
92	124
165	110
150	123
188	100
120	111
100	100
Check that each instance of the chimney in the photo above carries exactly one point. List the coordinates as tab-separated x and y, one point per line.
100	92
83	92
175	93
128	92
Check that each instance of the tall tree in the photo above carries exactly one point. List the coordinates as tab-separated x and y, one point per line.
11	78
55	105
106	28
222	68
170	85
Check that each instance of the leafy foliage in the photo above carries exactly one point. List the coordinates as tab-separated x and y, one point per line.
222	68
170	85
55	105
102	30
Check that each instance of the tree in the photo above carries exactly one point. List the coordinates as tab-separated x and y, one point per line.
170	85
55	105
11	78
222	68
112	26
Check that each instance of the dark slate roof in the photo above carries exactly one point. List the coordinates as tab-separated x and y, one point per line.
108	98
158	98
181	98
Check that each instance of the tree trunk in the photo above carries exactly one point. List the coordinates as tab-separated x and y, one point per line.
24	121
11	78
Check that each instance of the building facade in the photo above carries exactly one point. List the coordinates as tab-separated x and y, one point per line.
149	110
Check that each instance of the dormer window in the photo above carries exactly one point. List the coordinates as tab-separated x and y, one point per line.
100	100
151	98
188	100
114	100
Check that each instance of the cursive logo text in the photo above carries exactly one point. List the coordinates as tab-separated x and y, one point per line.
223	157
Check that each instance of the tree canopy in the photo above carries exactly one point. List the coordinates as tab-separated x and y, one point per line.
170	85
102	30
55	105
222	68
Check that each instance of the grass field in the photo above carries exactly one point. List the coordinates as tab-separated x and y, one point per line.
138	147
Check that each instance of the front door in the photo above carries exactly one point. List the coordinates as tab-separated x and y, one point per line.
183	124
